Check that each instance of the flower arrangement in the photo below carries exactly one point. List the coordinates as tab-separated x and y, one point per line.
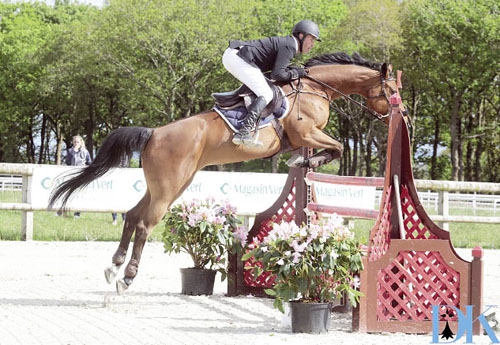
205	230
315	263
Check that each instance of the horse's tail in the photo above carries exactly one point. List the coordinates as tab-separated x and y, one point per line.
120	142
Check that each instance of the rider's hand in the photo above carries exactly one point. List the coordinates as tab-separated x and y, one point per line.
302	72
298	72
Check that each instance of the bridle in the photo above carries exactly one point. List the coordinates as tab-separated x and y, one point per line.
372	112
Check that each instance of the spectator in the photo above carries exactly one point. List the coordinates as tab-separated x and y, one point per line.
78	155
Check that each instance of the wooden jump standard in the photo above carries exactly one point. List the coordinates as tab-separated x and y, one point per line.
410	264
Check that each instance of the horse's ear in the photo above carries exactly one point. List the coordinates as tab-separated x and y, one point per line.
386	70
383	70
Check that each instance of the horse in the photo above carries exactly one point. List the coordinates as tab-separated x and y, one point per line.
172	154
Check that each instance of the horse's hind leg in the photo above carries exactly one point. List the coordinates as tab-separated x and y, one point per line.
143	229
131	222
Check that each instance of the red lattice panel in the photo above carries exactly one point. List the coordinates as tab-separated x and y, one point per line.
285	213
379	243
265	280
412	283
412	223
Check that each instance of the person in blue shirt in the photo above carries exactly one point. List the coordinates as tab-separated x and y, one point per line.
249	60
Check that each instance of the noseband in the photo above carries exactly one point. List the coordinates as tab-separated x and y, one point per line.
382	91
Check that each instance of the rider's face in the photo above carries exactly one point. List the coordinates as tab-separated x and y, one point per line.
308	44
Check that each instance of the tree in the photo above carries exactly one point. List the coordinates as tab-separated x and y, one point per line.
372	28
22	34
453	64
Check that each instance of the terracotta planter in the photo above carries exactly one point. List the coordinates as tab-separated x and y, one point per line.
310	317
196	281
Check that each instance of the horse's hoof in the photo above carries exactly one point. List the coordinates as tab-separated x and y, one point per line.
110	273
296	161
121	286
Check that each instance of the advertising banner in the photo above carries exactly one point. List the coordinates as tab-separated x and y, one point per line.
251	193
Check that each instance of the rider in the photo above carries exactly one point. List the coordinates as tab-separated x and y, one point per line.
248	60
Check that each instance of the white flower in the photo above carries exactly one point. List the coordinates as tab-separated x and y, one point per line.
356	282
334	255
296	257
299	247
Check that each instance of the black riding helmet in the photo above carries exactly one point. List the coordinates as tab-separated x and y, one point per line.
306	27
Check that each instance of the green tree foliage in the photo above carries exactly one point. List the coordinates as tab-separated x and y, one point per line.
76	69
372	28
23	32
451	58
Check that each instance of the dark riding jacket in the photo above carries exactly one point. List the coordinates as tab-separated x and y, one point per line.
270	54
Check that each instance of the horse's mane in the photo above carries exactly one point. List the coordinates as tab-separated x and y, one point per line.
342	58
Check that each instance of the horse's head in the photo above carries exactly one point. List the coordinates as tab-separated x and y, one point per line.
379	95
356	75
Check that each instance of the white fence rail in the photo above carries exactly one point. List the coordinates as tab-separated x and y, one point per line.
470	201
11	182
439	195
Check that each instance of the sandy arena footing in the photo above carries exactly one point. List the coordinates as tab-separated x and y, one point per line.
55	293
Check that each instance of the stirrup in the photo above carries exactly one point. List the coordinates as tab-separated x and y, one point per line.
248	139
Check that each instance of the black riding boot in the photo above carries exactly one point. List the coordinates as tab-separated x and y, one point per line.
244	136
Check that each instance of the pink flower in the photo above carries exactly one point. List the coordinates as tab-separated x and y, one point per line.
241	235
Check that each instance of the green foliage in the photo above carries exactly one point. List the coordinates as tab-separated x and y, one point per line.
48	227
77	69
316	263
205	230
452	69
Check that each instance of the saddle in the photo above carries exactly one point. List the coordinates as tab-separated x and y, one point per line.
243	96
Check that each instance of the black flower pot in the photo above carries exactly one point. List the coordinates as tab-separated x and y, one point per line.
197	281
310	317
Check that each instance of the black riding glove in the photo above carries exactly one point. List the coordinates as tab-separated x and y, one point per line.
298	72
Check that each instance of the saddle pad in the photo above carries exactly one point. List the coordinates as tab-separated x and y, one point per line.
236	116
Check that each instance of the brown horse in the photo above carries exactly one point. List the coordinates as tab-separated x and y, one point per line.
172	154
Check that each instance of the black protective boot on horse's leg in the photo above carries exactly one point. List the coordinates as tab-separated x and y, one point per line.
244	136
320	158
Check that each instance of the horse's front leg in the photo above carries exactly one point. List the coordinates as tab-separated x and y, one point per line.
317	139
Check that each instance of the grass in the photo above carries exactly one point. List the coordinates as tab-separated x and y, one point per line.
463	235
98	227
49	227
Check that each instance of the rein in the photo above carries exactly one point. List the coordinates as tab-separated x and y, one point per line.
364	107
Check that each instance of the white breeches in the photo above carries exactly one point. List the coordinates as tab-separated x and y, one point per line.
249	75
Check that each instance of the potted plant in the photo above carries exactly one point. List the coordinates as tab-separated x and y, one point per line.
207	231
312	266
